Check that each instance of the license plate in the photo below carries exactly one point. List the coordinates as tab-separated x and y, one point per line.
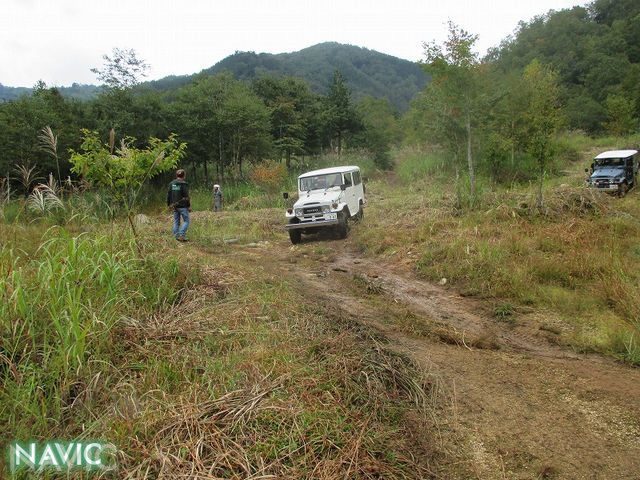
331	216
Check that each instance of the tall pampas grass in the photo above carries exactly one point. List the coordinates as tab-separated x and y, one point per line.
49	143
4	191
44	199
25	174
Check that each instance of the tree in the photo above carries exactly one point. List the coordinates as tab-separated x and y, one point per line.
595	51
197	116
541	116
291	106
620	116
124	171
339	116
453	89
121	71
245	119
380	129
22	121
222	120
133	113
507	111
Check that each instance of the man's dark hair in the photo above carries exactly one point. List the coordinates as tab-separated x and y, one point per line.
180	173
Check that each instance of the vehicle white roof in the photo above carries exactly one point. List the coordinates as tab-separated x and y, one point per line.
326	171
616	154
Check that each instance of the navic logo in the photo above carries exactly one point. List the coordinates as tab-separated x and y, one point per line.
62	456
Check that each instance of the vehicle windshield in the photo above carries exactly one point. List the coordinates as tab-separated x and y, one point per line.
320	182
609	162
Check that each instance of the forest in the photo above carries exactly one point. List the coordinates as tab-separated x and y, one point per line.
484	113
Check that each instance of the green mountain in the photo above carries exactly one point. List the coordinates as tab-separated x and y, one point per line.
77	91
596	52
367	72
12	93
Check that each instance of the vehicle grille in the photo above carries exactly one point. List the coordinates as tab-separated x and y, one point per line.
602	183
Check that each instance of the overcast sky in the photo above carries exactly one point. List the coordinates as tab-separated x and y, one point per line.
59	41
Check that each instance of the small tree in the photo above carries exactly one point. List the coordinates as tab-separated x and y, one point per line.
454	71
541	116
125	171
291	105
122	70
380	129
620	113
339	116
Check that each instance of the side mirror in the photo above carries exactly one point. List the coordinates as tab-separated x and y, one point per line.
343	187
285	195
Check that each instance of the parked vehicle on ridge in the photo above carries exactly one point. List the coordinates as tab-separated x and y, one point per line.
614	171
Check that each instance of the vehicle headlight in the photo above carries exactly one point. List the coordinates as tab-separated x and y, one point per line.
298	212
325	209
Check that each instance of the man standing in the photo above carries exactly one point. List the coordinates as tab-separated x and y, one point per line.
178	201
217	198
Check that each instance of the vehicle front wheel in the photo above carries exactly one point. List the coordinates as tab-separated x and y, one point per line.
295	236
343	225
622	189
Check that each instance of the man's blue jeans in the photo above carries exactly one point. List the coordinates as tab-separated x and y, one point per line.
177	213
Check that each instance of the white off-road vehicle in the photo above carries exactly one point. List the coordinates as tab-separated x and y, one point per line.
327	198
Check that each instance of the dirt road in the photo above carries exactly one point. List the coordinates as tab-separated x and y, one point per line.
509	402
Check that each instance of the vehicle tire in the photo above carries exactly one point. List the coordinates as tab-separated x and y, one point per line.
295	236
360	215
343	225
622	191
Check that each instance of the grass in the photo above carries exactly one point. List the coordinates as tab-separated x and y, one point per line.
196	361
62	299
578	142
193	362
576	260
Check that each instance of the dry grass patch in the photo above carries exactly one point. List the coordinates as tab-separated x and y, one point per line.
578	256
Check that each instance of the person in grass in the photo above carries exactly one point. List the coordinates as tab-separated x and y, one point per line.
178	201
217	198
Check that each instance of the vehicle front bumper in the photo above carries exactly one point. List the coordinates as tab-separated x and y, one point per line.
606	187
312	224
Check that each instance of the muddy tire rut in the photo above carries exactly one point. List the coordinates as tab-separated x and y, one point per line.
510	401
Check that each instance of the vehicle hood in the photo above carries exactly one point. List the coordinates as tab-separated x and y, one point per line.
319	196
608	173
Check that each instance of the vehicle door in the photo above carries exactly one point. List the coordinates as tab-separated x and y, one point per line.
358	186
633	167
350	194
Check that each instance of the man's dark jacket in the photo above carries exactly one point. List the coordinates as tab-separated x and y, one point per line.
178	194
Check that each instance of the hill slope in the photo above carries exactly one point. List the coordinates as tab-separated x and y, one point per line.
77	91
368	72
596	52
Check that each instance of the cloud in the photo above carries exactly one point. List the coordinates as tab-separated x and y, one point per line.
60	41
